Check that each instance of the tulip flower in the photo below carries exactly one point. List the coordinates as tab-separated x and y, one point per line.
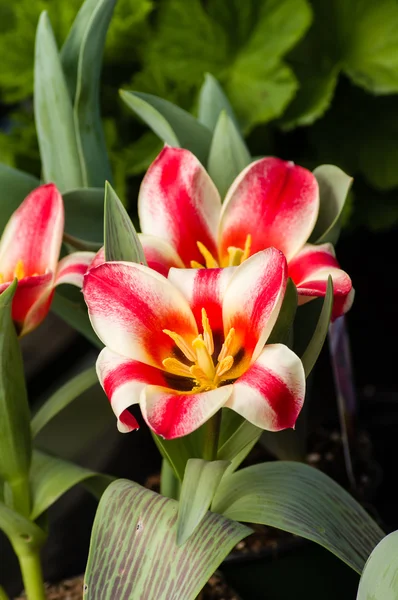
29	251
185	346
271	203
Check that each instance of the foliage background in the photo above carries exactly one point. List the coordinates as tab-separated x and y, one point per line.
311	81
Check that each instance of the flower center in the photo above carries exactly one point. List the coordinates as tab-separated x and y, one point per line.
207	374
236	256
19	272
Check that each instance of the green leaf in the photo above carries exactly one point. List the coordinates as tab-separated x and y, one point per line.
169	484
24	535
179	450
283	326
120	237
137	528
62	398
334	186
201	480
245	435
54	113
172	124
379	580
89	133
212	101
51	477
84	217
15	439
15	186
304	501
228	154
314	347
68	303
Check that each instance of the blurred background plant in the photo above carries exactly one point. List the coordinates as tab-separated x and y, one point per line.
310	81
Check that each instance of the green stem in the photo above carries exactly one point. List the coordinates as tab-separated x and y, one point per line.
3	595
20	496
32	575
212	434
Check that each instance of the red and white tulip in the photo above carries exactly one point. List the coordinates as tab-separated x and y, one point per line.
29	251
271	203
185	346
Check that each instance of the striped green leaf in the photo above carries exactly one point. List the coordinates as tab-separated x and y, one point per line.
14	187
134	552
304	501
51	477
201	480
54	113
379	580
212	100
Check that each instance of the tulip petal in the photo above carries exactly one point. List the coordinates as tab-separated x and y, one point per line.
72	268
179	203
310	270
33	235
123	380
270	394
204	288
173	415
130	305
159	255
99	258
252	302
274	201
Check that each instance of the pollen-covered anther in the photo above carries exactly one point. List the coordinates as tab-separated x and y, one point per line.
19	271
181	344
226	347
174	366
210	261
224	365
207	332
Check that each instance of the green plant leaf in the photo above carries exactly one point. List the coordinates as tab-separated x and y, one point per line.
51	477
15	438
62	398
68	303
281	331
212	101
137	528
201	480
228	154
172	124
243	436
24	535
120	237
54	113
15	186
304	501
379	580
89	133
314	347
84	217
334	186
178	451
170	485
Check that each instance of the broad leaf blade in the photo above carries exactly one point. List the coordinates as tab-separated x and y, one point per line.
228	154
15	186
212	100
62	398
84	216
201	480
89	133
282	328
51	477
300	499
54	113
24	535
334	186
15	438
243	436
314	347
379	580
120	238
178	452
137	529
172	124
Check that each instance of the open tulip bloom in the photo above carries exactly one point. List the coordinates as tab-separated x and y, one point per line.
185	346
29	251
272	203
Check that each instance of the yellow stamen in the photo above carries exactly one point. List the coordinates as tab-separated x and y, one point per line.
1	278
207	333
210	261
19	271
181	344
172	365
196	265
224	365
203	358
246	250
226	347
236	256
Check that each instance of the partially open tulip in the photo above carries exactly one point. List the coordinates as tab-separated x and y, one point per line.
29	251
271	203
185	346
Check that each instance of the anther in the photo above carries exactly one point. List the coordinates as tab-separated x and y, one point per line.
181	344
207	333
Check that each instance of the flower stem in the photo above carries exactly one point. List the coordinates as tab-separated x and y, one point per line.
212	434
20	495
32	575
3	595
